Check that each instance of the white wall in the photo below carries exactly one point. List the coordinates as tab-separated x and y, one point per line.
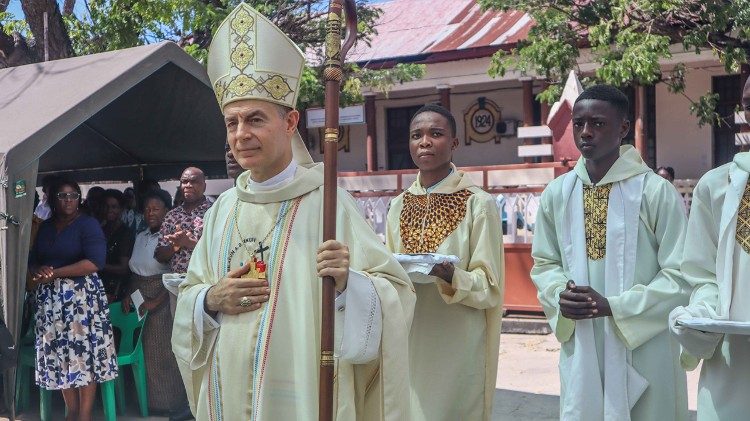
680	143
507	95
510	101
463	76
355	159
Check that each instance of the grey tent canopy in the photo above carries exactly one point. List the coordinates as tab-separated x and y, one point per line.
110	116
122	115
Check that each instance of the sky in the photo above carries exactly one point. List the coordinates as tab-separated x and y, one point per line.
15	8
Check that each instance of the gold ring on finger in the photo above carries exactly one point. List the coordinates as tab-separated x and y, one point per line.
246	302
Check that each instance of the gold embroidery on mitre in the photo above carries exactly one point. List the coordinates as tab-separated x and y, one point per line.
241	85
742	234
427	220
277	87
234	74
219	89
242	55
595	206
243	22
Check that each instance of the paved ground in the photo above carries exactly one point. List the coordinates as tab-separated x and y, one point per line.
528	381
528	384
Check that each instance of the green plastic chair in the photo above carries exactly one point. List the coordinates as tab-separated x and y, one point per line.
130	352
26	363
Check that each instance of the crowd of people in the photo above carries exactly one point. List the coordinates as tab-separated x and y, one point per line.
88	254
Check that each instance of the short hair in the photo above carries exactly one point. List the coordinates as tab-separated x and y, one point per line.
283	110
48	181
57	186
669	171
607	93
96	191
114	194
148	184
439	109
194	169
161	195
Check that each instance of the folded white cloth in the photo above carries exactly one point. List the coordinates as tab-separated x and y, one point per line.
694	337
423	263
716	326
172	281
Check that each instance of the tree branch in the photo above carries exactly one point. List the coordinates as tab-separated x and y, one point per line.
68	7
58	39
14	50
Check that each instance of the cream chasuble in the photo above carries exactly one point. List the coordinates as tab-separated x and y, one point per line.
455	336
263	365
624	238
717	264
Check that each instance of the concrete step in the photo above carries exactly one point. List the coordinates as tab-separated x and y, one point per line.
526	325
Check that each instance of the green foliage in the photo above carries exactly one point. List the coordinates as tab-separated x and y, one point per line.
705	108
116	24
10	24
383	80
626	40
312	90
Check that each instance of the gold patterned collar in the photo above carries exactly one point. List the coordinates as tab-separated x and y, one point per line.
426	220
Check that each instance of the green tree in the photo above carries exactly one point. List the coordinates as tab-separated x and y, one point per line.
115	24
627	39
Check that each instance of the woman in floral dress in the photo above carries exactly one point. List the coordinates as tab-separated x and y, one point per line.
74	345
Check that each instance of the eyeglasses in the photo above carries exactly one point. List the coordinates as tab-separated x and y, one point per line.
68	196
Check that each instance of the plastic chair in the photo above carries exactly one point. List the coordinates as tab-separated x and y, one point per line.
130	352
26	363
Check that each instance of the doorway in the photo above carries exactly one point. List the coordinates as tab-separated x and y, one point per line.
397	137
729	89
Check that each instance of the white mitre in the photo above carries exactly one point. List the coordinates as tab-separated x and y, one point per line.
251	58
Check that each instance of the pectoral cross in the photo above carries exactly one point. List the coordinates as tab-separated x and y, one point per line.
259	266
260	250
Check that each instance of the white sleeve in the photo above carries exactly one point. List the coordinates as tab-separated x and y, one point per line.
203	321
700	345
359	316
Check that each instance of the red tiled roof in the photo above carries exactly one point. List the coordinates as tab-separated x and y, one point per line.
417	27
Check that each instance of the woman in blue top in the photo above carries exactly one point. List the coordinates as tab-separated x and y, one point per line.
74	345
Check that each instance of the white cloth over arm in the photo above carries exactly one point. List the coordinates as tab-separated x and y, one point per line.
359	320
708	268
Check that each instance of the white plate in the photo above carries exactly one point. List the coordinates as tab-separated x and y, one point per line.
716	326
425	258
